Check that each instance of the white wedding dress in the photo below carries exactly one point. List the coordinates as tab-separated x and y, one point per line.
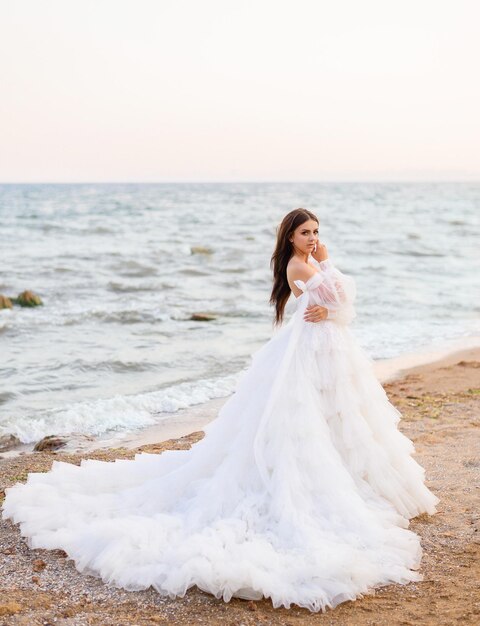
300	491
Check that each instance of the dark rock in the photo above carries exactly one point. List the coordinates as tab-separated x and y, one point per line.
8	442
27	298
203	317
5	302
50	442
61	553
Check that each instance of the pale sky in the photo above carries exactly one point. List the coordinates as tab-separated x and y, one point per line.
238	90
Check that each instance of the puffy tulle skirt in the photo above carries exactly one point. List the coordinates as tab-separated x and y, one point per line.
300	491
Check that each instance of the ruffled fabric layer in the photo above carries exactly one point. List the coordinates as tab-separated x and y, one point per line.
300	491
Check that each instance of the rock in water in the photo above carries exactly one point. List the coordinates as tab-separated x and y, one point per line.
203	317
200	250
7	442
50	442
5	302
28	298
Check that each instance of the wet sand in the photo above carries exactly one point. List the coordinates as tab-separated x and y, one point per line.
440	405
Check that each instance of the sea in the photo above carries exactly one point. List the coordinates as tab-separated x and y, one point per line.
121	268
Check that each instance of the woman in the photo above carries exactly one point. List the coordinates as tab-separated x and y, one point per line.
300	491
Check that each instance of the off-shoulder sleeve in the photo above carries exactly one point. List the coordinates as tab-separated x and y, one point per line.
336	292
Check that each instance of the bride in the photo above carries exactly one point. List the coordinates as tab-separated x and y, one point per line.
301	490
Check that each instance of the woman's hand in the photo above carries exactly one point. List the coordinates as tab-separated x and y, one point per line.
315	313
320	252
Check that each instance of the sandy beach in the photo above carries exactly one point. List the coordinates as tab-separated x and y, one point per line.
439	402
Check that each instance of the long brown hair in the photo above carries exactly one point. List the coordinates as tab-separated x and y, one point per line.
281	256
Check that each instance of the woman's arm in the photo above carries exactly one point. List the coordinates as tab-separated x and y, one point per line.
337	291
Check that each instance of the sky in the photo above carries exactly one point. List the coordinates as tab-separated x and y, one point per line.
239	90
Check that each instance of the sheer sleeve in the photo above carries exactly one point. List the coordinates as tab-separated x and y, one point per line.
336	292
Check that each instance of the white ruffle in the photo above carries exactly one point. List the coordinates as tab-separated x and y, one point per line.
300	491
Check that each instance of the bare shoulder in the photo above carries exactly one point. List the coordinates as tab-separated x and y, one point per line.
297	270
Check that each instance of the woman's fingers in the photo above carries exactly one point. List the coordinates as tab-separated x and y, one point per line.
315	313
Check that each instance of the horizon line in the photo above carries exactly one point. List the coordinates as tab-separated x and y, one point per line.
230	182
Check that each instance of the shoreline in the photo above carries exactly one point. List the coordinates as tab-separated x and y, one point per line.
440	407
446	353
193	418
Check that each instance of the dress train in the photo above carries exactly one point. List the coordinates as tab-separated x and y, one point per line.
300	491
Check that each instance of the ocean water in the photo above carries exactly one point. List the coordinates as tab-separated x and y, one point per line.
113	348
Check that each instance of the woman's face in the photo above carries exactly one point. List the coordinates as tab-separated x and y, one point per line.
305	236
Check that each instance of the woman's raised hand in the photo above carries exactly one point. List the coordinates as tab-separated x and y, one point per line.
320	252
